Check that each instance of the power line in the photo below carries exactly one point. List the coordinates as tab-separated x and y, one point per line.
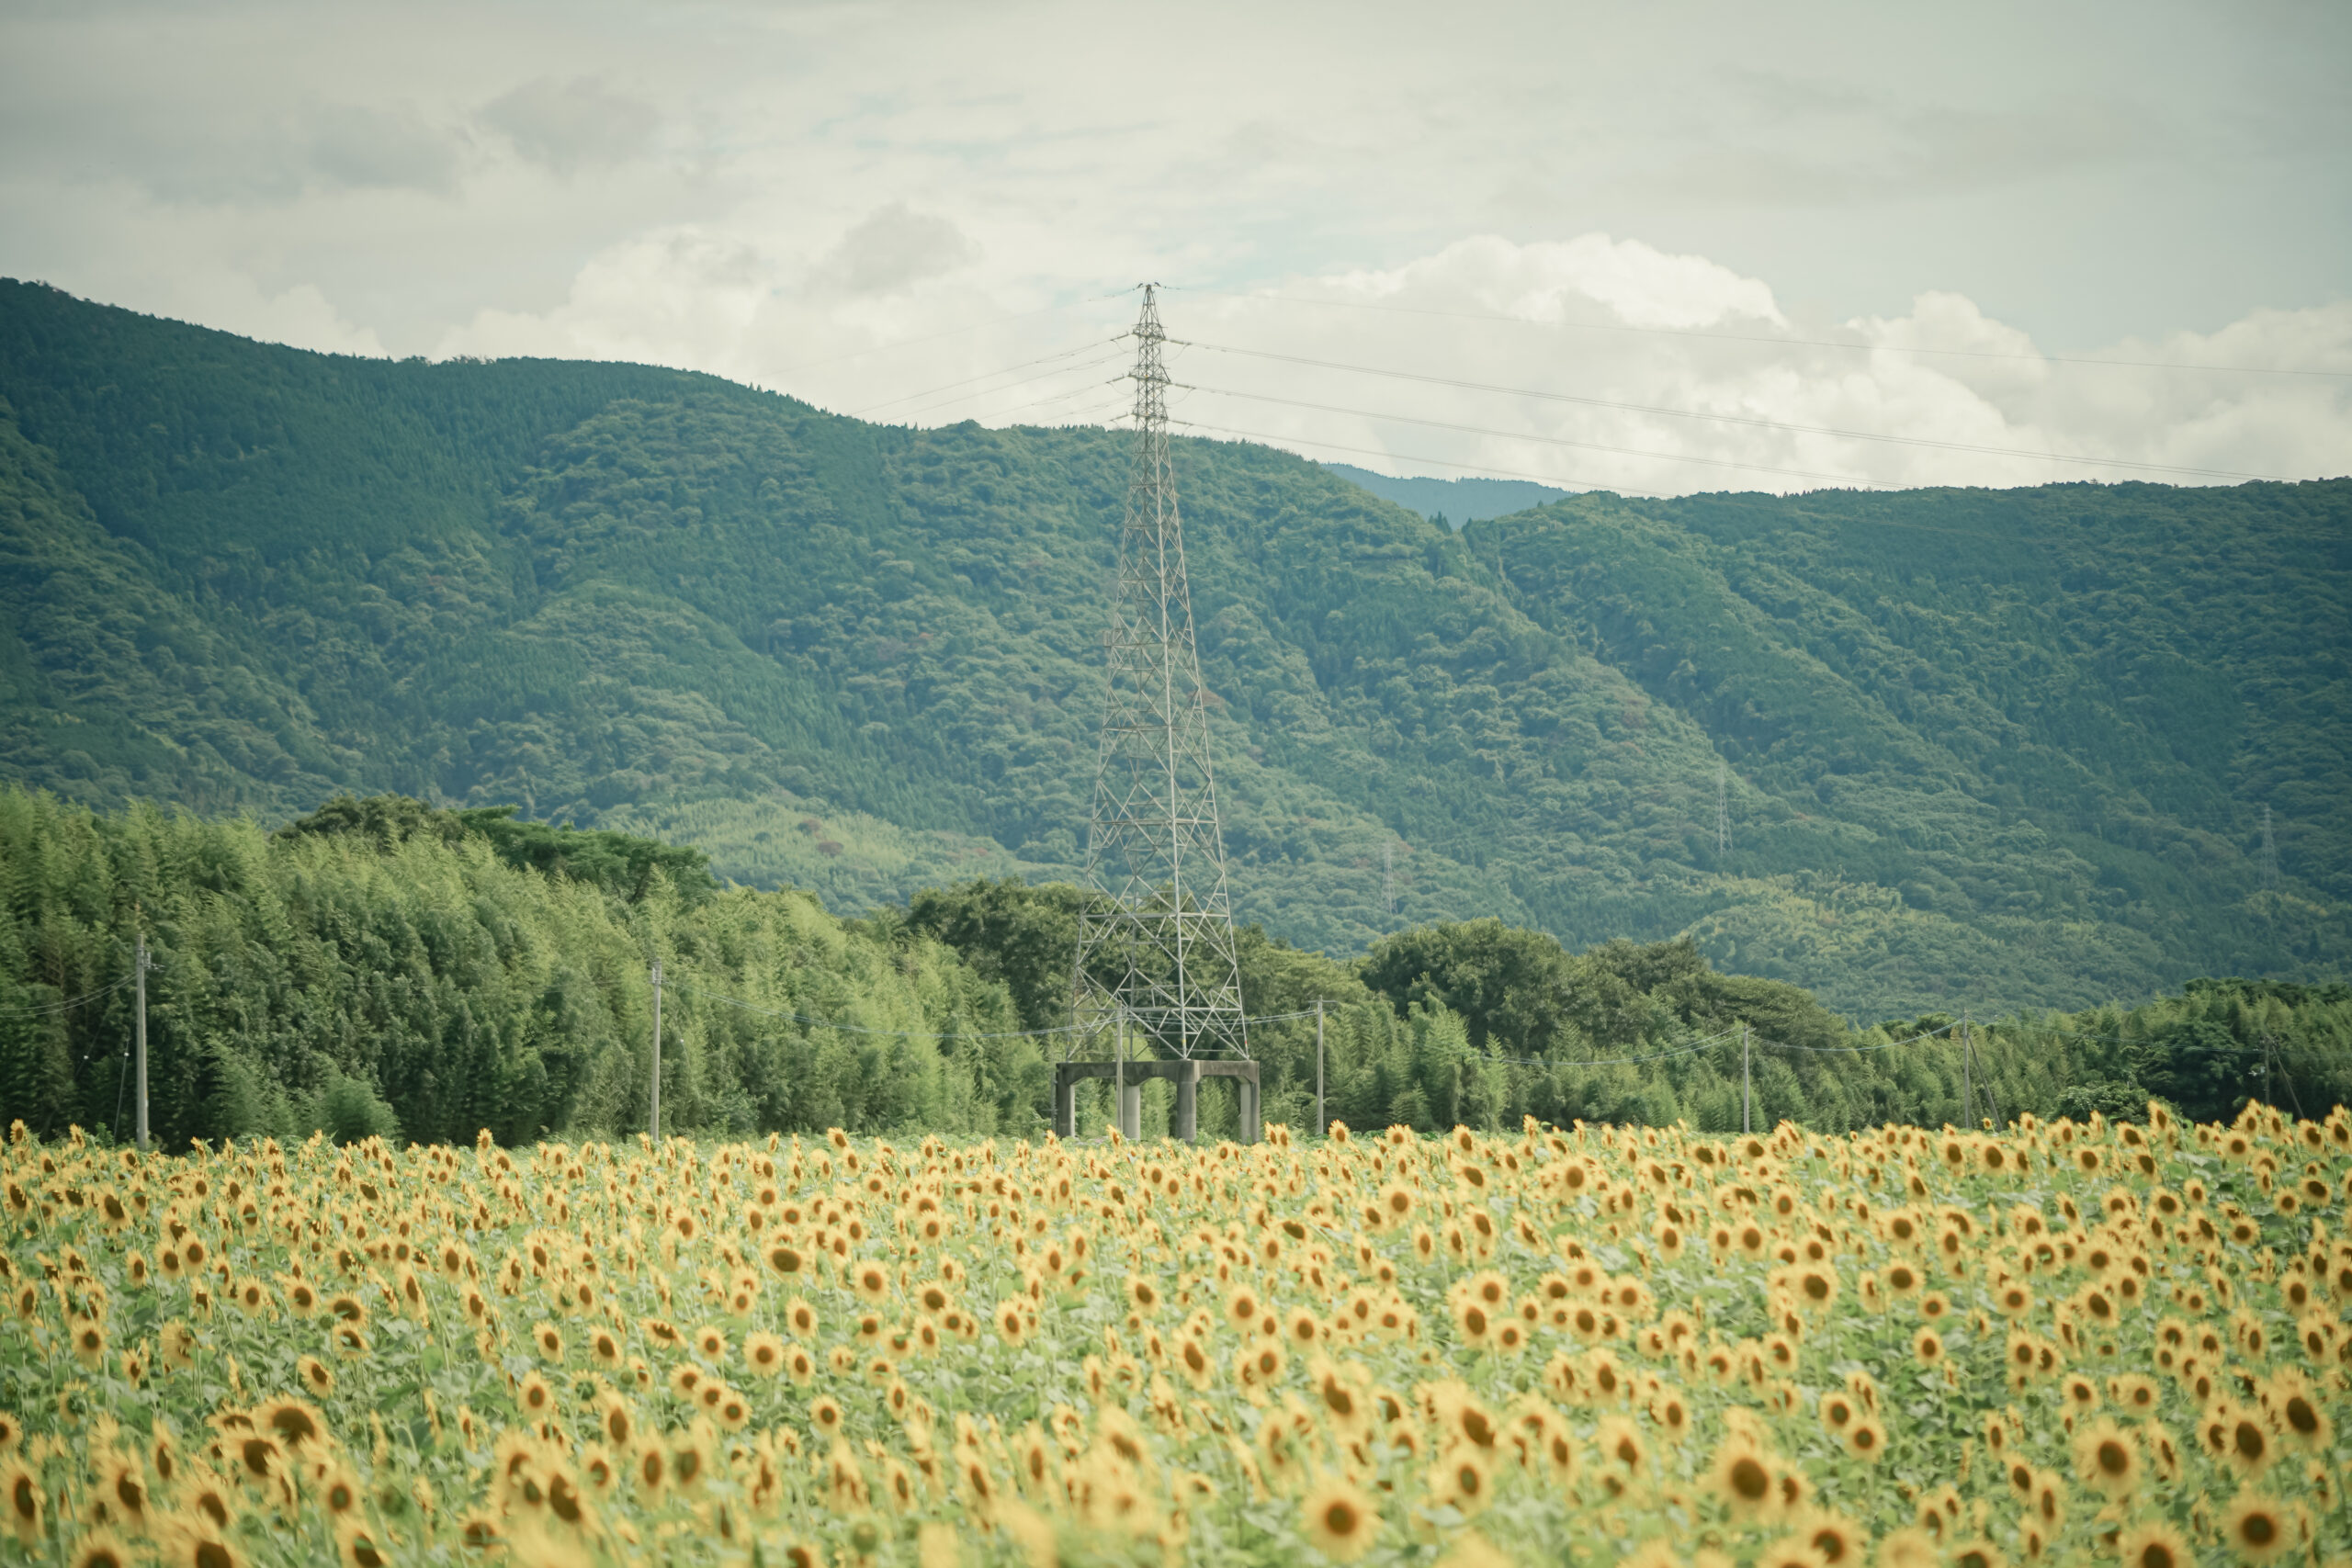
45	1010
1271	439
951	331
1090	388
1748	421
1776	342
1545	440
987	376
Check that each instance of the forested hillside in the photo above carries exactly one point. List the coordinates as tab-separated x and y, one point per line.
2002	749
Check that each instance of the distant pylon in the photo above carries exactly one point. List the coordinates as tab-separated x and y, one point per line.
2270	853
1160	949
1723	806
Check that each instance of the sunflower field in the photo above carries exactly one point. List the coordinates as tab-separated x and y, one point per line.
2062	1342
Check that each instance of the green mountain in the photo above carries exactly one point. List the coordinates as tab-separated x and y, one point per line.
1992	750
1456	500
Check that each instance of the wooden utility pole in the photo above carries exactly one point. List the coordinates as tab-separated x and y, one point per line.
1322	1124
139	964
1967	1088
1746	1091
655	1118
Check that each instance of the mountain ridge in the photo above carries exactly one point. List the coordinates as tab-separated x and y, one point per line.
2007	745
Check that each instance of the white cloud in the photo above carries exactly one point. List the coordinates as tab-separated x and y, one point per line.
893	248
570	125
867	204
1592	361
1672	374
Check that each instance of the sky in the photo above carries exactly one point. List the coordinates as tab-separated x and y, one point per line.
1659	249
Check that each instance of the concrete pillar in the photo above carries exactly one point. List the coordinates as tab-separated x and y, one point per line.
1188	1101
1131	1109
1249	1130
1065	1102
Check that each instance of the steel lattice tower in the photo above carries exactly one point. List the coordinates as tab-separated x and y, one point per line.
1159	948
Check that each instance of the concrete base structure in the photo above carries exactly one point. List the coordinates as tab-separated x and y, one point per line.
1186	1075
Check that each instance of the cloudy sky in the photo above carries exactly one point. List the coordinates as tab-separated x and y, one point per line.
1666	247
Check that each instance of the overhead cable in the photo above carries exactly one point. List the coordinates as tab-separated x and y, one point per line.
1546	440
1562	479
1775	341
1746	421
987	374
951	331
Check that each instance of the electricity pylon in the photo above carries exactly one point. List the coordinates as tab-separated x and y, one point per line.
1158	947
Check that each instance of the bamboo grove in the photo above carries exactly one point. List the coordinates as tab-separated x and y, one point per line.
381	967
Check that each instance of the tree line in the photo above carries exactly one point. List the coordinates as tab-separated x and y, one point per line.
386	966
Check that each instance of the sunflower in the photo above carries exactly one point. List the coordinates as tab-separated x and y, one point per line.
208	1500
296	1421
1742	1479
1927	1346
1908	1548
101	1549
2257	1528
2157	1545
1462	1482
2299	1411
2107	1457
316	1375
649	1469
1976	1553
1790	1551
533	1394
195	1544
1837	1540
356	1545
764	1353
2239	1436
20	1492
1013	1322
1619	1442
338	1491
1472	1321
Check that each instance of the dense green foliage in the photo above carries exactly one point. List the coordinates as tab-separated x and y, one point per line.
361	983
618	862
1484	1024
383	967
2002	749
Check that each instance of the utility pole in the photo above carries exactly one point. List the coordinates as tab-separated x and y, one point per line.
1322	1124
2270	853
1967	1092
1747	1084
1388	878
2266	1052
655	1118
1119	1078
139	964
